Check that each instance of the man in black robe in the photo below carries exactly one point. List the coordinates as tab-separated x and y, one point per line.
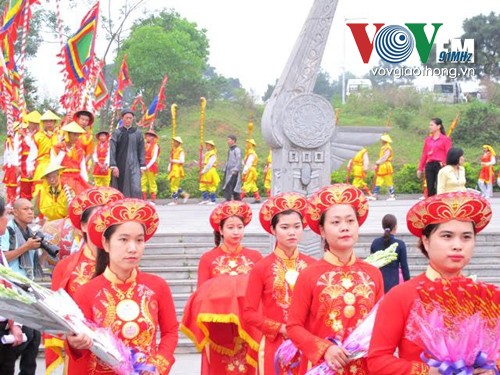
126	157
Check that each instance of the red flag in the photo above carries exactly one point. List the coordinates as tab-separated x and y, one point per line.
138	102
123	82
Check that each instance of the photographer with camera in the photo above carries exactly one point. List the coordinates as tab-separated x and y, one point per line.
20	250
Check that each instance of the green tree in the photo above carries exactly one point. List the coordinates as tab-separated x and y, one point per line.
484	30
166	44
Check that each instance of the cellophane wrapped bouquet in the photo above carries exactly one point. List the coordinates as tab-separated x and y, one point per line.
357	343
382	258
287	358
458	323
37	307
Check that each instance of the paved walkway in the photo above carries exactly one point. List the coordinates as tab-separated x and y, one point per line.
185	364
191	217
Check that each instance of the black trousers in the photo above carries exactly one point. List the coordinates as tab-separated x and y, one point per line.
28	352
229	192
431	177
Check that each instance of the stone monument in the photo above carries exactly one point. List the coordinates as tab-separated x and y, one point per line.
300	126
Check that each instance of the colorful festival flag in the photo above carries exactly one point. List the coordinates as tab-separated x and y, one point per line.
138	102
79	50
101	93
12	15
157	105
122	83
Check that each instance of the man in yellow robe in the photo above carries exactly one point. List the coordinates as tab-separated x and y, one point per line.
209	178
249	176
176	172
51	202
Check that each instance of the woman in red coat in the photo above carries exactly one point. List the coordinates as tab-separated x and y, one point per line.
273	278
133	304
333	295
446	225
77	269
212	316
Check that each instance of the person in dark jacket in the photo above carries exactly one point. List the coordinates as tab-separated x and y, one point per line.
390	272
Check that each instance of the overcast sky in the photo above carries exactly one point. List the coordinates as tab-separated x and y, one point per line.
252	40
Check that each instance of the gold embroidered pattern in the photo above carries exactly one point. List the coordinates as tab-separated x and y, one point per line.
271	328
345	295
82	274
282	290
418	368
231	265
142	333
237	364
160	362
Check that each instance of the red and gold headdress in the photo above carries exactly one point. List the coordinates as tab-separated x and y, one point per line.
92	197
122	211
228	209
330	195
441	208
279	203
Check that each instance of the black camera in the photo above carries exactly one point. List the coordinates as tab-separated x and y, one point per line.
51	249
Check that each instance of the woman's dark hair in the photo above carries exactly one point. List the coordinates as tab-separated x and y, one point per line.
85	219
102	258
389	222
276	218
453	156
438	121
427	231
217	236
2	206
322	219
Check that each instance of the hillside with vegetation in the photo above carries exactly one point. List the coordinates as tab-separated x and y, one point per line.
405	113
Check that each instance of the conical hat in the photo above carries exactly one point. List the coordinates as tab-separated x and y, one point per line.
252	141
52	168
177	139
73	127
102	132
49	116
33	116
210	142
386	138
152	132
84	113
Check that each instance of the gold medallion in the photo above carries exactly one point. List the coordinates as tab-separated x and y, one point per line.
349	311
349	298
130	330
127	310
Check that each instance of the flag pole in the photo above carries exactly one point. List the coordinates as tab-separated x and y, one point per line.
203	104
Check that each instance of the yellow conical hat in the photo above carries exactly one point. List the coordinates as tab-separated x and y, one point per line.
33	116
386	138
73	127
52	168
49	116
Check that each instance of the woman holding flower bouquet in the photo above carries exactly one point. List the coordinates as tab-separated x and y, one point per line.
418	317
131	303
213	314
79	268
333	295
272	280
